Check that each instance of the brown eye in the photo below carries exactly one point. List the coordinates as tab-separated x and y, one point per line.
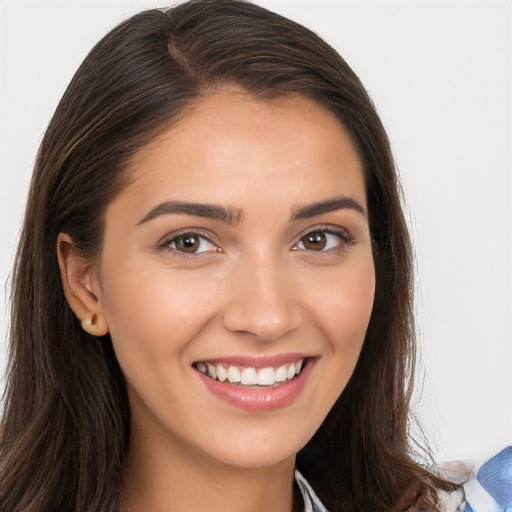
188	242
315	241
323	240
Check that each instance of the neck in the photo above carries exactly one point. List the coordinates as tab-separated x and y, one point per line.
169	478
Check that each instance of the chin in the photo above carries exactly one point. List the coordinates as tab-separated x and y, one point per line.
260	452
259	460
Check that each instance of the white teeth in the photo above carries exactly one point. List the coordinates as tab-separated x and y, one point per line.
222	373
211	371
249	377
281	373
266	377
233	374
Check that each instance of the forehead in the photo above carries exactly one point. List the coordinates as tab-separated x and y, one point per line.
231	138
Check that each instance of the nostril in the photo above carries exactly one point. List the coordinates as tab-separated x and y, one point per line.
262	302
261	323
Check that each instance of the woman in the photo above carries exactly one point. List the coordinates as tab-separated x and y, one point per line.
213	284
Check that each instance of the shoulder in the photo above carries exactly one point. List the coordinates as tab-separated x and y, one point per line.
414	499
485	488
491	489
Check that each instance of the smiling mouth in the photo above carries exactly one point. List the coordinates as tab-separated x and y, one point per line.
251	377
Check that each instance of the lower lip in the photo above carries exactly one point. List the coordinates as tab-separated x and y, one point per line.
265	399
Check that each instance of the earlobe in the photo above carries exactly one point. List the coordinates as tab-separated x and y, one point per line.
95	325
80	286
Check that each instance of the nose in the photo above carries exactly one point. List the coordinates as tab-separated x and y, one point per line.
262	300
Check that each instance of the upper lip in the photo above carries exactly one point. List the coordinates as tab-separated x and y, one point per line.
257	361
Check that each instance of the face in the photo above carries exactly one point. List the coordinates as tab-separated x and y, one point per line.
237	278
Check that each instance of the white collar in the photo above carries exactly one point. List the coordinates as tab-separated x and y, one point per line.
311	501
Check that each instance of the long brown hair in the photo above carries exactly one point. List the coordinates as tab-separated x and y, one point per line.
66	424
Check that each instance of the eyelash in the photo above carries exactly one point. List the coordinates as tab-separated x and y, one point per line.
198	234
345	239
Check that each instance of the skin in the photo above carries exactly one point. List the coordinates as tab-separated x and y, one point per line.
254	287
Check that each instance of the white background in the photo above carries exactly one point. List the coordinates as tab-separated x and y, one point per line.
440	73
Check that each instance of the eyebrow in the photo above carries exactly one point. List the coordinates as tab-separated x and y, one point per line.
234	215
210	211
327	206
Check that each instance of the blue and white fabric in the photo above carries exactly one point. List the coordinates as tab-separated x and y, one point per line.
491	490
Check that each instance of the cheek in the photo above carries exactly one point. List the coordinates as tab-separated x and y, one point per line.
344	309
340	308
153	312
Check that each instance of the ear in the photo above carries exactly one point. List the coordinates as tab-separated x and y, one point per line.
81	286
